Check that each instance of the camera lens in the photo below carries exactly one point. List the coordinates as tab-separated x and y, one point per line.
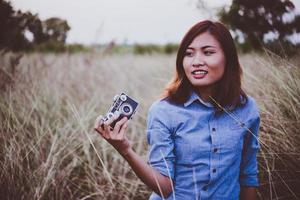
126	109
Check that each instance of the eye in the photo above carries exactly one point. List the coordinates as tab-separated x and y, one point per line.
208	53
188	53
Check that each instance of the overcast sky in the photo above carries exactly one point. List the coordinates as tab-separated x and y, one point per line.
124	21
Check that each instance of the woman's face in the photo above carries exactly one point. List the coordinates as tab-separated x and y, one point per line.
204	62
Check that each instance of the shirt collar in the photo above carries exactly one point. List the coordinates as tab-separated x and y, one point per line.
193	97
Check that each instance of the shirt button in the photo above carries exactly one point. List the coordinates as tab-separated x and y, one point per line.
213	129
215	150
214	170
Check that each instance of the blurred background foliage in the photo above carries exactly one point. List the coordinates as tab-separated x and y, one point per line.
252	21
255	25
26	31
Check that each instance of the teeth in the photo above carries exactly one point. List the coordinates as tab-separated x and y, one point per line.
199	72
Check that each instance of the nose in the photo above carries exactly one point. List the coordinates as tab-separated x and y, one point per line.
197	61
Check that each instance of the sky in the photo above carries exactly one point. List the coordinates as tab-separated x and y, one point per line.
124	21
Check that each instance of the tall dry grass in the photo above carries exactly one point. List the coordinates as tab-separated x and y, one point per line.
275	84
48	105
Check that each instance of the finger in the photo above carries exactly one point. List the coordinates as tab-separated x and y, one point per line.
98	121
119	124
102	132
107	130
114	119
115	116
121	134
97	125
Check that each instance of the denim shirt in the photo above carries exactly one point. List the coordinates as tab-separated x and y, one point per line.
207	156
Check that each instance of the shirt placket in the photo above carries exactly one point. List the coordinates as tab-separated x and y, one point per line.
214	154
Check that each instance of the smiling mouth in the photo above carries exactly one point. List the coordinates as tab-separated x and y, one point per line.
199	72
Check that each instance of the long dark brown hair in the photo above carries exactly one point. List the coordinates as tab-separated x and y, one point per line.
227	91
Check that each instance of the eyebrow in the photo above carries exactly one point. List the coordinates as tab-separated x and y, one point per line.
204	47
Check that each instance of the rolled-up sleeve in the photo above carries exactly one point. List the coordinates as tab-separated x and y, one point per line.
160	140
249	168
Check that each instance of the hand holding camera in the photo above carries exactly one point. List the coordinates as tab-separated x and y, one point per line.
113	125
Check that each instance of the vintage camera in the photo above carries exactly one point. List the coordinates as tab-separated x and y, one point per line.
125	105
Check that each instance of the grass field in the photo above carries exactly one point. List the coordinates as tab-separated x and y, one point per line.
48	104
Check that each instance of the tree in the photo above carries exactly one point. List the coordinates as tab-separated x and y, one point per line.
11	34
257	18
49	34
34	25
56	30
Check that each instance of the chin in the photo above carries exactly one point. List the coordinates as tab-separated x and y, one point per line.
203	84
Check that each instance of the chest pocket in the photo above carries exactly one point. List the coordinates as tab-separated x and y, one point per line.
237	125
232	136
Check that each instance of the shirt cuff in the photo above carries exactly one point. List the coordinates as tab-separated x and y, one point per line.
249	180
163	169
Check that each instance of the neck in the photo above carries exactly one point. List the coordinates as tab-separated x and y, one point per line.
204	93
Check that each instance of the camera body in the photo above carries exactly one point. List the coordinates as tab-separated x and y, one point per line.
123	104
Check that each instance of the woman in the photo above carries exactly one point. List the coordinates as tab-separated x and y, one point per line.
203	132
